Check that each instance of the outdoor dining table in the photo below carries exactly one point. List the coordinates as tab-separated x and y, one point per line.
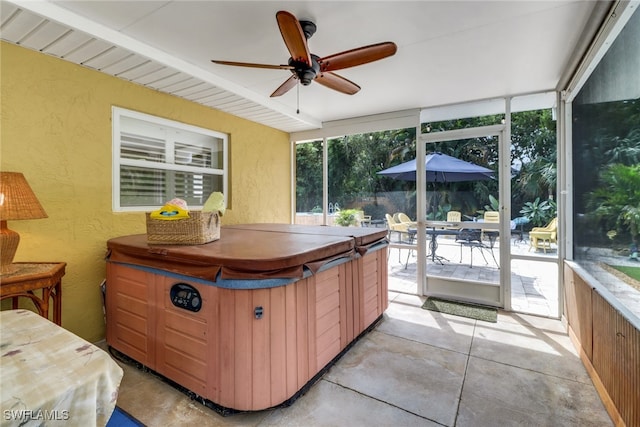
52	377
434	232
433	242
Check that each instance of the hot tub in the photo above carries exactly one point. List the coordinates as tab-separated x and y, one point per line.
246	322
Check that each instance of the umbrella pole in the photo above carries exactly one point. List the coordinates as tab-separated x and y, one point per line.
436	198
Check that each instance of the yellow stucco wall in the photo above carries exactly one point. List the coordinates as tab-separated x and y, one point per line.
56	129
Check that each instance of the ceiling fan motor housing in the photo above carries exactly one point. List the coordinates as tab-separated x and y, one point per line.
303	71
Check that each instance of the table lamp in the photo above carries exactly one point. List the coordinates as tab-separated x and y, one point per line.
17	201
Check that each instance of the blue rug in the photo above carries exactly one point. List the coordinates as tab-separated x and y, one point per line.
120	418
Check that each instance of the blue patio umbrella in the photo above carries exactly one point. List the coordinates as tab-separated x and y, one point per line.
440	168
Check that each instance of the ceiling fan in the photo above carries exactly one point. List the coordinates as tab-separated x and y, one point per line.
307	67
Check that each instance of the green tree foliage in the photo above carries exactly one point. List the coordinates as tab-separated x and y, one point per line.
533	137
464	123
354	161
308	176
615	203
604	134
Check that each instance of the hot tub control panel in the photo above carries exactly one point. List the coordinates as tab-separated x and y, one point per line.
186	296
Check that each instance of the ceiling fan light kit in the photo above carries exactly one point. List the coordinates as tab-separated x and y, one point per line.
307	67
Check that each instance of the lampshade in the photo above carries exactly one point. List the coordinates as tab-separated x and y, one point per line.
17	201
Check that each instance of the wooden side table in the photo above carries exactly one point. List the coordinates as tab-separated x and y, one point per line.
31	276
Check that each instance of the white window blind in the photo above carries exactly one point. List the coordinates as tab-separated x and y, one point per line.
155	160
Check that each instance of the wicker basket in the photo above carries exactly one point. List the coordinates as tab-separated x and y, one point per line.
199	228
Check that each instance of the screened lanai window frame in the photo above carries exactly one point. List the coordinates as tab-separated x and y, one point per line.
601	283
167	145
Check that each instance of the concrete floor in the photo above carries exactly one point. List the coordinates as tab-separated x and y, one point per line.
417	368
534	282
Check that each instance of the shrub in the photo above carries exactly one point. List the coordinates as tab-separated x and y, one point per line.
539	212
348	217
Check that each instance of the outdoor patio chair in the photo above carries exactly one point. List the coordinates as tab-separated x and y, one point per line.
542	237
404	219
403	235
395	225
453	216
359	217
471	239
490	217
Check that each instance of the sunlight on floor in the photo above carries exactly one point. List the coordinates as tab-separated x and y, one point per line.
534	284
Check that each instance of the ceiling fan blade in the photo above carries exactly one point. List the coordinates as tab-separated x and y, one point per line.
293	37
285	87
252	65
358	56
339	83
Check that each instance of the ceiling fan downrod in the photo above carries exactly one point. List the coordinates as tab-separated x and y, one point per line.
298	98
308	28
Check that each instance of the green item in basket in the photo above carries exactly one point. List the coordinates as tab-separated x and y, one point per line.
215	203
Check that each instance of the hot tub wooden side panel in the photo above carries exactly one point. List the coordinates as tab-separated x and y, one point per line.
227	354
131	316
298	334
183	346
264	361
329	316
370	277
369	291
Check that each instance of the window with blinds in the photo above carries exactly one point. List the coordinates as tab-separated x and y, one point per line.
156	160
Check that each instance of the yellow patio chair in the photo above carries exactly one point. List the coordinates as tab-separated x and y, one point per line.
390	221
397	226
402	230
404	219
453	216
490	217
542	237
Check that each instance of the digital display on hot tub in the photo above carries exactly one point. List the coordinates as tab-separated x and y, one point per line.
186	297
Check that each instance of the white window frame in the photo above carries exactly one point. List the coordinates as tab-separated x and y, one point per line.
118	113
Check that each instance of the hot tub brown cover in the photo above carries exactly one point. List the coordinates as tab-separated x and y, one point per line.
239	254
364	237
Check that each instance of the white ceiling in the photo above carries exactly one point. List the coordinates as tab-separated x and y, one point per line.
448	51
